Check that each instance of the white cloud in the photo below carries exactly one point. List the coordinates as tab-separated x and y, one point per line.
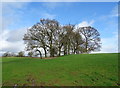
114	12
109	45
9	15
85	23
3	38
13	13
13	5
17	36
11	40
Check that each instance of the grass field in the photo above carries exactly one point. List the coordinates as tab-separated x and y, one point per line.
71	70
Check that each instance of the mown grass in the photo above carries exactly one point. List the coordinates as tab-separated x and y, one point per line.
71	70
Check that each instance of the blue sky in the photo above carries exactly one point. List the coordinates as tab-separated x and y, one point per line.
18	16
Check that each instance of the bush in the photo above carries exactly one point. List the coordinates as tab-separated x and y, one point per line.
30	54
21	54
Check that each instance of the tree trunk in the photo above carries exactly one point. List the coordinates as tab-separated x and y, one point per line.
77	49
86	44
52	52
74	49
45	52
59	51
68	52
51	47
39	53
65	50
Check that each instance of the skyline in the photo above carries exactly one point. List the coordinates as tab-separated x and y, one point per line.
18	16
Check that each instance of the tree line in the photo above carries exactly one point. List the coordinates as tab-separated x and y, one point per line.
50	38
11	54
20	54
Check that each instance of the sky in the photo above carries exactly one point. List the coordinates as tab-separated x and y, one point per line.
18	16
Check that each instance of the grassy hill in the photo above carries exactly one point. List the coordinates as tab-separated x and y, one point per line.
71	70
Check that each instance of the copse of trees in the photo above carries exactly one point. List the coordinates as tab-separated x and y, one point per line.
57	40
12	54
30	54
21	54
8	54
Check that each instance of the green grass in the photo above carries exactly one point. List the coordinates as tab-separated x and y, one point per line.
71	70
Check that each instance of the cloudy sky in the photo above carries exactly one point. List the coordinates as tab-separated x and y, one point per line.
18	16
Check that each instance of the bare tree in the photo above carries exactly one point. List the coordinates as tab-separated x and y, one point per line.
51	27
42	35
91	39
35	38
54	38
67	38
76	42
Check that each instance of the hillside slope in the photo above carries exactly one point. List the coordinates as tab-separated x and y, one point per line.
71	70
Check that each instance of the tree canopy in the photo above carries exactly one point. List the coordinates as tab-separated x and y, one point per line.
56	39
